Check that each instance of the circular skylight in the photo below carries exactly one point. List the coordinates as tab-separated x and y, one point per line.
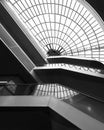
63	27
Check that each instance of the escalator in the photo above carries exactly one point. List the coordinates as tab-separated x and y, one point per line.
65	92
78	87
65	96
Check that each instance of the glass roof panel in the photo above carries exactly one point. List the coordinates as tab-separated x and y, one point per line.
65	26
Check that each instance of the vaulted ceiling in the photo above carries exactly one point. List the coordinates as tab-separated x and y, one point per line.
69	27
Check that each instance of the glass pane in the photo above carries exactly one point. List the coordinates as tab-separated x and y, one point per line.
65	27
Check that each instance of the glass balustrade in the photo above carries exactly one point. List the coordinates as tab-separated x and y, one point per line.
55	90
76	67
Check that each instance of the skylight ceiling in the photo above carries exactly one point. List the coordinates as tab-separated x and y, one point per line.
63	27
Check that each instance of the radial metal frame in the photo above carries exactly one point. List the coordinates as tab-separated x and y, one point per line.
86	50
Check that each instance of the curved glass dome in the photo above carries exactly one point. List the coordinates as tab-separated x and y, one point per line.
63	27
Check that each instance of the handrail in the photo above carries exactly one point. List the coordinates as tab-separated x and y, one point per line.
17	88
76	61
68	111
90	85
3	83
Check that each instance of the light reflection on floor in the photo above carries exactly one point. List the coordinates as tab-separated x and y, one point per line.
55	90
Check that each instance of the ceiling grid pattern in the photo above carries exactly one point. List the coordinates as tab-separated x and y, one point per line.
66	26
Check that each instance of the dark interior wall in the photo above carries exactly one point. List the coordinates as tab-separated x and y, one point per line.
11	67
35	118
15	78
60	123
